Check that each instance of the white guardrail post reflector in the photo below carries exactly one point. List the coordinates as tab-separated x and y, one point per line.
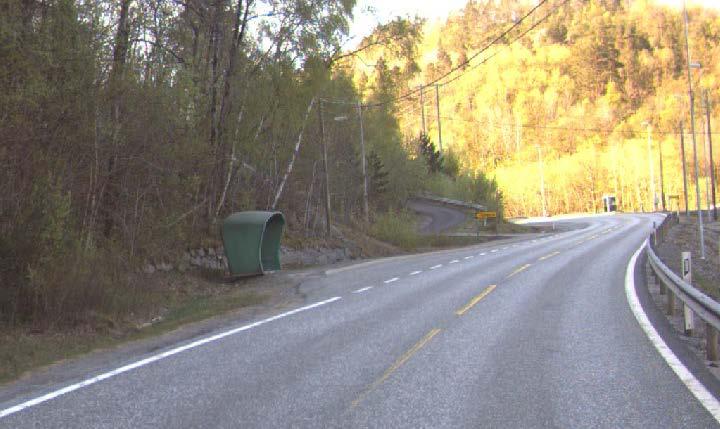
687	276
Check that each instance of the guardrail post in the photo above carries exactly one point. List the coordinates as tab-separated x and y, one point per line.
661	284
670	304
711	338
686	264
655	242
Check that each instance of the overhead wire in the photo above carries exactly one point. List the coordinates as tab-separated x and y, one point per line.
466	62
560	128
523	34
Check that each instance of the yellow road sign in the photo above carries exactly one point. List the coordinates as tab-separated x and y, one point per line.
485	215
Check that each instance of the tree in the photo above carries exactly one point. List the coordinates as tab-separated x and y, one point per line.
433	158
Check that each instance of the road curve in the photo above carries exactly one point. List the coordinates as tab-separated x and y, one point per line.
436	218
533	333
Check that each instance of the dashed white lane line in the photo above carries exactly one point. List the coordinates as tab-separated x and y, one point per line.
693	384
364	289
534	241
414	273
494	250
154	358
394	279
435	267
482	254
468	257
454	261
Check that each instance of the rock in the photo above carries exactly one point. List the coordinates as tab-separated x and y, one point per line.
149	269
211	251
164	266
290	258
201	252
307	258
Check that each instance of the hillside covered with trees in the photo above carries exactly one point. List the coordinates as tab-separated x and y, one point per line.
579	93
569	89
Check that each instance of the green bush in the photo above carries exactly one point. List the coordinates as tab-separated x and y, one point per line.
397	228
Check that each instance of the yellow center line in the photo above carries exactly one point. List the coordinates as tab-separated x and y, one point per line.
524	267
475	300
398	363
548	256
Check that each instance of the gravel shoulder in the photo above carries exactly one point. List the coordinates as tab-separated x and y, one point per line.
684	237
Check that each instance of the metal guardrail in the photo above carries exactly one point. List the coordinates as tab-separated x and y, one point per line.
693	301
451	202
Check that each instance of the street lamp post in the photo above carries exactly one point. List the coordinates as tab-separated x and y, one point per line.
542	182
692	127
366	210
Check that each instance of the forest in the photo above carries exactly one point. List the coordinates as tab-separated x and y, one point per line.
561	108
131	128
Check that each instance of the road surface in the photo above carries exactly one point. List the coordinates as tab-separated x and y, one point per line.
436	218
533	333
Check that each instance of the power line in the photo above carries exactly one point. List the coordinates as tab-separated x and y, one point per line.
523	34
467	61
558	128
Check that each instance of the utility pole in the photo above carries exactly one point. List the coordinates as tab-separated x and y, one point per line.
710	150
682	156
325	168
707	168
653	195
542	182
692	128
437	108
422	108
366	210
662	181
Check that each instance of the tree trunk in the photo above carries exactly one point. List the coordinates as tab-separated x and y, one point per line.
109	194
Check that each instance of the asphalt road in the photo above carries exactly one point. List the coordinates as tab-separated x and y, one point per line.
534	333
436	218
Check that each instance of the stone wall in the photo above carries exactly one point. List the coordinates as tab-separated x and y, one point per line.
213	258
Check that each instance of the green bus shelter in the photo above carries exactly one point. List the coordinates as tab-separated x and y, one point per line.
252	242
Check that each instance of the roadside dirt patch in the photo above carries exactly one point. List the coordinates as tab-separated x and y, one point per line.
684	237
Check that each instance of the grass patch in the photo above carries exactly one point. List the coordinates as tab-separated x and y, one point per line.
398	229
22	348
706	286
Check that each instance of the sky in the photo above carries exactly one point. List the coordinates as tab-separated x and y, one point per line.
368	13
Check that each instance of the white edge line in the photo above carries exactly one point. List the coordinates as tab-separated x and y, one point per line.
693	384
394	279
434	267
361	290
414	273
129	367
